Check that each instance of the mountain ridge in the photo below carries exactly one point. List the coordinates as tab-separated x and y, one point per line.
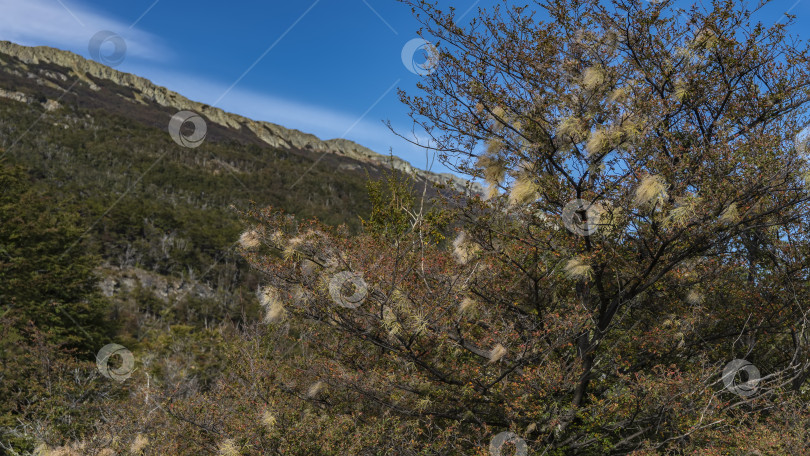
269	133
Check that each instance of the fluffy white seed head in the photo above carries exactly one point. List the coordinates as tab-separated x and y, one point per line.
391	322
651	189
597	141
497	353
467	304
292	247
694	297
681	90
228	448
593	77
463	249
277	237
316	388
577	269
730	214
270	299
618	95
493	167
523	191
573	127
268	420
684	211
250	239
268	295
139	444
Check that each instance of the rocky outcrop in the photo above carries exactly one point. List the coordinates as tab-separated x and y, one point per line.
117	281
49	105
16	96
272	134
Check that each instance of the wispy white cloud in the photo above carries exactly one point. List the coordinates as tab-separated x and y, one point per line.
67	24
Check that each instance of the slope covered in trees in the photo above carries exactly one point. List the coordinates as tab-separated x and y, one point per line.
112	232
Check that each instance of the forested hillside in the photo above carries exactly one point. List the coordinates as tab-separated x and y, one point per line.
112	231
100	152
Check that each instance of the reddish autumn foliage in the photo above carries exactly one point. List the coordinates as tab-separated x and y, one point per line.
580	335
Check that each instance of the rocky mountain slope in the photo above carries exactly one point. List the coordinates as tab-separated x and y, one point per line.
162	219
72	67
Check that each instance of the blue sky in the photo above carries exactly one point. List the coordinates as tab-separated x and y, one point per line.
329	67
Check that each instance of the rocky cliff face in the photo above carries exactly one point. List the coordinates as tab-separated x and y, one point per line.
272	134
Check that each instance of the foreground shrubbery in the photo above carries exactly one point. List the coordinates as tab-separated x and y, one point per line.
598	327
